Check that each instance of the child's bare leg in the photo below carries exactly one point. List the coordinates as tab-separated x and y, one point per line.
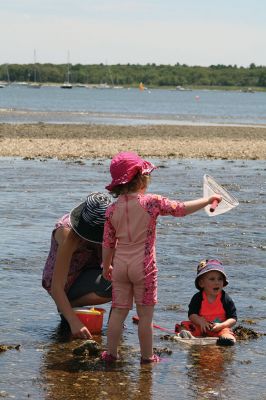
115	327
145	330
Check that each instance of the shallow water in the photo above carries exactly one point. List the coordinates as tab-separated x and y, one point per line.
35	193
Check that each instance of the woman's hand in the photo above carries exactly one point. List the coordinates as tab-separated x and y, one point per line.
79	331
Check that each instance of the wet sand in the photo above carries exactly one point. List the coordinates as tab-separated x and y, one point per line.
93	141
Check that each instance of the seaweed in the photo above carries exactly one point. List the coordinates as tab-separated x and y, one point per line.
4	347
243	333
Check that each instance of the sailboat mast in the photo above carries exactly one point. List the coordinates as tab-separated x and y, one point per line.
34	59
110	73
7	74
68	71
34	84
67	84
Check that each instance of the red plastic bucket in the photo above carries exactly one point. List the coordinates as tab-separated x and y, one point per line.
92	318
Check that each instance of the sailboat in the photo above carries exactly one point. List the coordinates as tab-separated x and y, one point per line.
105	85
35	84
110	85
67	84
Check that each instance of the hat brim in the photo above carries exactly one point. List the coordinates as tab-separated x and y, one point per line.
146	169
205	272
93	234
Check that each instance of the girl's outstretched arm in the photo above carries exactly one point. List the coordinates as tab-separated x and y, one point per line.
195	205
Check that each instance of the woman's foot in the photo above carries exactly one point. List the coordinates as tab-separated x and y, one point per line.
153	359
109	358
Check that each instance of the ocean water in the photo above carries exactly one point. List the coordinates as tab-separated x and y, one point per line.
34	193
19	104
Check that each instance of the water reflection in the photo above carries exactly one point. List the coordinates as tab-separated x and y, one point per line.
207	370
65	375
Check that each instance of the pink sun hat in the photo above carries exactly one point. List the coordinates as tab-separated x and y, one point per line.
125	165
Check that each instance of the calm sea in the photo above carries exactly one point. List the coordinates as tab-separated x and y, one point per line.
20	104
35	193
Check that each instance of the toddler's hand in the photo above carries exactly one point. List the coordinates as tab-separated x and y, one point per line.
205	325
216	327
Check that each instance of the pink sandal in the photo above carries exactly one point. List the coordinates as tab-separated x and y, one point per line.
109	358
153	359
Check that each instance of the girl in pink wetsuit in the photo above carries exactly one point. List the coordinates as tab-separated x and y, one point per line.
129	258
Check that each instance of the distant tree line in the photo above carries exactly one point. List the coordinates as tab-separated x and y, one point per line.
151	75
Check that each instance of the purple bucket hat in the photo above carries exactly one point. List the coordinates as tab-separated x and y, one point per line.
207	266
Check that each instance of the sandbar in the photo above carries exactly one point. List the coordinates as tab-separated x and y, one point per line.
65	141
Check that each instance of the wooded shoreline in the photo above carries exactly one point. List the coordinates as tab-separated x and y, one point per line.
130	75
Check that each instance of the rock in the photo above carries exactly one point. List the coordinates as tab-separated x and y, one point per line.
160	351
88	348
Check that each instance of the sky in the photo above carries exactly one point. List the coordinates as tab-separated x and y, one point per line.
192	32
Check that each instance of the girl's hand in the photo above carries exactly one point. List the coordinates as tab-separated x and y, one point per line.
80	331
107	273
214	197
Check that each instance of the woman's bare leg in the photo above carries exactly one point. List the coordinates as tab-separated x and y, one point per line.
90	299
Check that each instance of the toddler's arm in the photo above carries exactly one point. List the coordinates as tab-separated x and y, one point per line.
218	326
195	205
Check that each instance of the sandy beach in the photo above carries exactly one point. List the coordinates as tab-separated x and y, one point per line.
93	141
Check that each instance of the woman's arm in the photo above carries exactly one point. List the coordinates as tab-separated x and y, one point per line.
195	205
68	242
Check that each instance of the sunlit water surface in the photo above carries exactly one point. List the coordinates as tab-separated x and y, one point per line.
35	193
19	104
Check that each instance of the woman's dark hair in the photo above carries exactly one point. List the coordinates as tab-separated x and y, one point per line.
138	182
